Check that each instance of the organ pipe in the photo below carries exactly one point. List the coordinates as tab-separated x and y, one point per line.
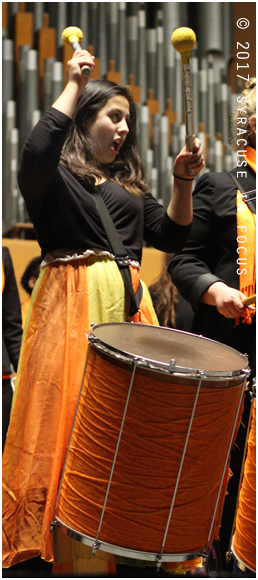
138	51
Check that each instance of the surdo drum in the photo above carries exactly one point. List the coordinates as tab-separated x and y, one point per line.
147	464
244	538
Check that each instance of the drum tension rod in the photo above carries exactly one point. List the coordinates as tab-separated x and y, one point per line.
228	556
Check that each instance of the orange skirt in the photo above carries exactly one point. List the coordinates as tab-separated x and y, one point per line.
244	541
66	299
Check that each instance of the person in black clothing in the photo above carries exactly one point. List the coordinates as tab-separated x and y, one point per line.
85	141
30	275
215	270
28	281
11	336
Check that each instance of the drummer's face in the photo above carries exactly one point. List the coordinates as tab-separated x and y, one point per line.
110	129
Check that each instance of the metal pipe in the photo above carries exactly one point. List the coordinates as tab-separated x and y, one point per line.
171	20
61	23
149	165
151	58
57	80
211	98
32	87
160	63
8	125
144	133
93	25
156	140
84	25
103	44
113	32
218	154
38	11
141	77
146	53
122	60
47	83
203	99
224	108
132	44
163	156
14	155
7	72
22	94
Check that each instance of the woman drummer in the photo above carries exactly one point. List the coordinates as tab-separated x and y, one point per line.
85	141
216	269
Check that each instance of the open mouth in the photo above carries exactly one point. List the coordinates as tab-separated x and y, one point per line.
116	146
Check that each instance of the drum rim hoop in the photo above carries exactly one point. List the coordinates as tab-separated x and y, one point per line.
159	366
239	559
127	552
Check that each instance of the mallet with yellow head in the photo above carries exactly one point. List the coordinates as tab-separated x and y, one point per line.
72	36
183	40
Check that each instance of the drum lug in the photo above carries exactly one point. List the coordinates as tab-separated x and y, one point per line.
95	547
172	365
203	555
247	370
91	338
159	562
253	391
53	524
229	555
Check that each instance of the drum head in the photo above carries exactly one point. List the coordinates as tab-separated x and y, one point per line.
160	345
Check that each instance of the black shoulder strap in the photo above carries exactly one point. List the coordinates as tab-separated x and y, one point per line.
249	197
119	251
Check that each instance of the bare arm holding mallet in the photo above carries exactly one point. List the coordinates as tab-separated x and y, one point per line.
80	67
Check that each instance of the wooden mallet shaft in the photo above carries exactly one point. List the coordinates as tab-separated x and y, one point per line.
183	40
249	300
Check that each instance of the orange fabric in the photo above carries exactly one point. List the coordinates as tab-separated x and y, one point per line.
146	314
148	460
182	567
246	230
244	541
24	310
42	418
48	381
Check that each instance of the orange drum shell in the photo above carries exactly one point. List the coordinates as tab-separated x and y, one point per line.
148	459
244	541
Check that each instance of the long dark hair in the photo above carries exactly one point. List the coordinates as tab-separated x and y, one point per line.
78	150
240	121
164	296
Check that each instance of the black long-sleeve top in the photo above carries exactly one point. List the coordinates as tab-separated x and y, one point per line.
64	213
11	316
210	255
